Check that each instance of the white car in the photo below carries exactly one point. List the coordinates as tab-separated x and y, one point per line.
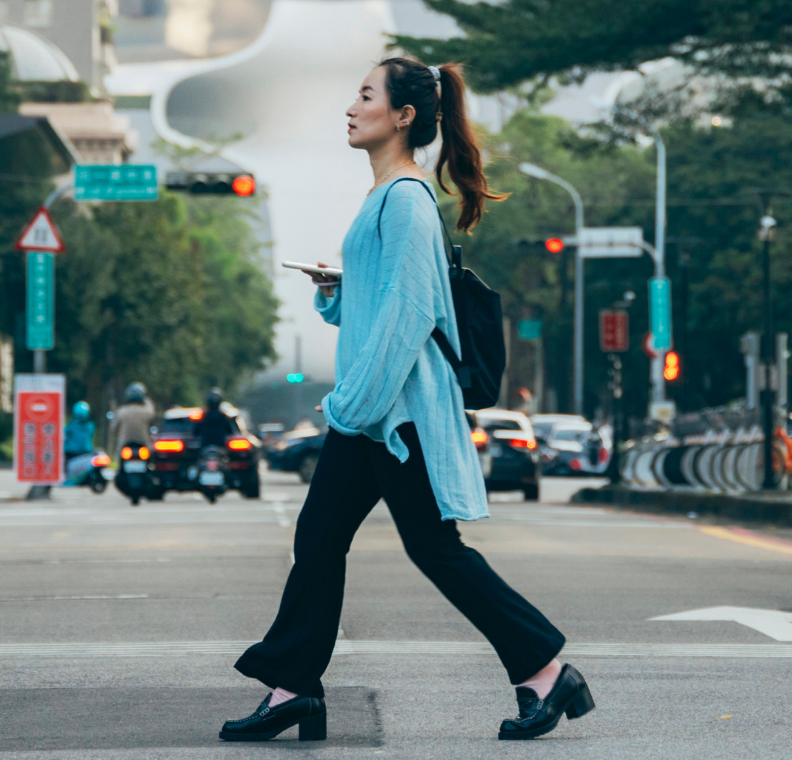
572	445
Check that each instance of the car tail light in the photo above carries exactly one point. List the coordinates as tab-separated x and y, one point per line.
144	453
480	438
100	460
196	415
126	453
522	443
170	446
574	464
603	455
239	444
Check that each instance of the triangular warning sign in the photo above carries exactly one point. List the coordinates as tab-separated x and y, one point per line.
41	235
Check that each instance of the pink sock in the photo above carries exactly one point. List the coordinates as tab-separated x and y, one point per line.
542	683
280	695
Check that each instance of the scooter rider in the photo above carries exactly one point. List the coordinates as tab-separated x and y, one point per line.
215	426
79	432
132	420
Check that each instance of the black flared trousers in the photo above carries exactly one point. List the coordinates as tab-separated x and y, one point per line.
352	474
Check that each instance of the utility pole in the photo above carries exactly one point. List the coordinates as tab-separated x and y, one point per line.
658	381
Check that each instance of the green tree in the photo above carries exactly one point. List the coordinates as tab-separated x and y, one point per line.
507	248
518	40
168	292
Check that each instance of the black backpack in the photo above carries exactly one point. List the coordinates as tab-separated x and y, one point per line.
480	324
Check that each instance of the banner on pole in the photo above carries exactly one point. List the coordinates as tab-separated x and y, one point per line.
38	428
40	306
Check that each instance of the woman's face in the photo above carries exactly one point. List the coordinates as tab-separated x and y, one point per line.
372	121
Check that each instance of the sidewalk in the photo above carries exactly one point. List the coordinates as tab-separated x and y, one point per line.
771	507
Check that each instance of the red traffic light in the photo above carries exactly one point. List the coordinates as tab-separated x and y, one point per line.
554	245
244	186
671	369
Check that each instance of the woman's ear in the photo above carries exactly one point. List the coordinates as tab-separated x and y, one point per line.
406	116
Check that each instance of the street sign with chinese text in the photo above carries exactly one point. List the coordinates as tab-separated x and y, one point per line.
660	312
529	329
614	331
106	182
38	428
40	301
41	235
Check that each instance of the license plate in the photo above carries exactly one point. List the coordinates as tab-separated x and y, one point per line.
495	450
211	479
135	466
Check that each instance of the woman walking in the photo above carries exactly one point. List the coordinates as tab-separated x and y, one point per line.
397	428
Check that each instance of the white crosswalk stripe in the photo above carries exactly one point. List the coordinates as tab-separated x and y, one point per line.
347	647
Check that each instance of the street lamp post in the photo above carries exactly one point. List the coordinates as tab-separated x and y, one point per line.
767	225
577	364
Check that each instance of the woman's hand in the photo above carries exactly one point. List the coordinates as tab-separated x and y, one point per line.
326	282
318	408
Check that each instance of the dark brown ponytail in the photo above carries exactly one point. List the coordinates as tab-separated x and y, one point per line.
410	82
460	151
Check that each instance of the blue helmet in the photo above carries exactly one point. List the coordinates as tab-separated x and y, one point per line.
81	410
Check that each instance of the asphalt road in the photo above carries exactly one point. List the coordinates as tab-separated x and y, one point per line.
119	628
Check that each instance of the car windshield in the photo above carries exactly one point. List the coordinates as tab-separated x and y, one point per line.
500	424
542	429
570	433
186	426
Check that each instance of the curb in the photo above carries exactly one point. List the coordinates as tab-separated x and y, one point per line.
751	508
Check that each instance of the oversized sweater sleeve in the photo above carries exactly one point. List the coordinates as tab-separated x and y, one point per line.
329	308
404	318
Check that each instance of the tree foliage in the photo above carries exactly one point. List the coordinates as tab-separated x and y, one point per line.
518	40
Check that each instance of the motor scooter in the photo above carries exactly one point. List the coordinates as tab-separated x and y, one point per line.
133	478
91	470
212	475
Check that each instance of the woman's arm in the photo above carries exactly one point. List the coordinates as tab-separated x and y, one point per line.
329	308
404	320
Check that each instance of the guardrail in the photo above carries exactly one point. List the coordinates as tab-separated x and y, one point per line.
714	450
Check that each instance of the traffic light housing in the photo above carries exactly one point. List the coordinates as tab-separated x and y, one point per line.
671	369
212	183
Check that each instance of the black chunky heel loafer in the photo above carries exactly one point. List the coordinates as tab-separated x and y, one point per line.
570	695
267	722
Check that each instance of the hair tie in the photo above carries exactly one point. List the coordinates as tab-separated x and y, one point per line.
435	72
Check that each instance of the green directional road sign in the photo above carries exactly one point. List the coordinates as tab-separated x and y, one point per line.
40	301
660	312
128	182
529	329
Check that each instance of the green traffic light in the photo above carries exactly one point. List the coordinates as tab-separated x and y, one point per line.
294	377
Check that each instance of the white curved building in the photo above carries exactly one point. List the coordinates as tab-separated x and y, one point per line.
287	94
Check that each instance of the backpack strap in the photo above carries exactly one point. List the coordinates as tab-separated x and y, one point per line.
456	250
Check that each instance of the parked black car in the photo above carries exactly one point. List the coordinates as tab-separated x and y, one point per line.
513	451
297	451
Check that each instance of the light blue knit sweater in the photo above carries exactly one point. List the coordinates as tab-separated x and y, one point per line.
388	370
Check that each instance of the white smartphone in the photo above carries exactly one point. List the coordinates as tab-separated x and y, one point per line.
331	271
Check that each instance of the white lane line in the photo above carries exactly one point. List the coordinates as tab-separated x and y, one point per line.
69	598
347	647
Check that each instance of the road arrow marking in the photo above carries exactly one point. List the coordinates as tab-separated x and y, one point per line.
773	623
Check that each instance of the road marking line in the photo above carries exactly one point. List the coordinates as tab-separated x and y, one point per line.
347	647
68	598
742	536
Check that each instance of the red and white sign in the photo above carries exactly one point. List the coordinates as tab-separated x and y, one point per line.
38	428
41	235
614	330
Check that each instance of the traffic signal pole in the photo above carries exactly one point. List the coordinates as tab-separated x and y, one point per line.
658	381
